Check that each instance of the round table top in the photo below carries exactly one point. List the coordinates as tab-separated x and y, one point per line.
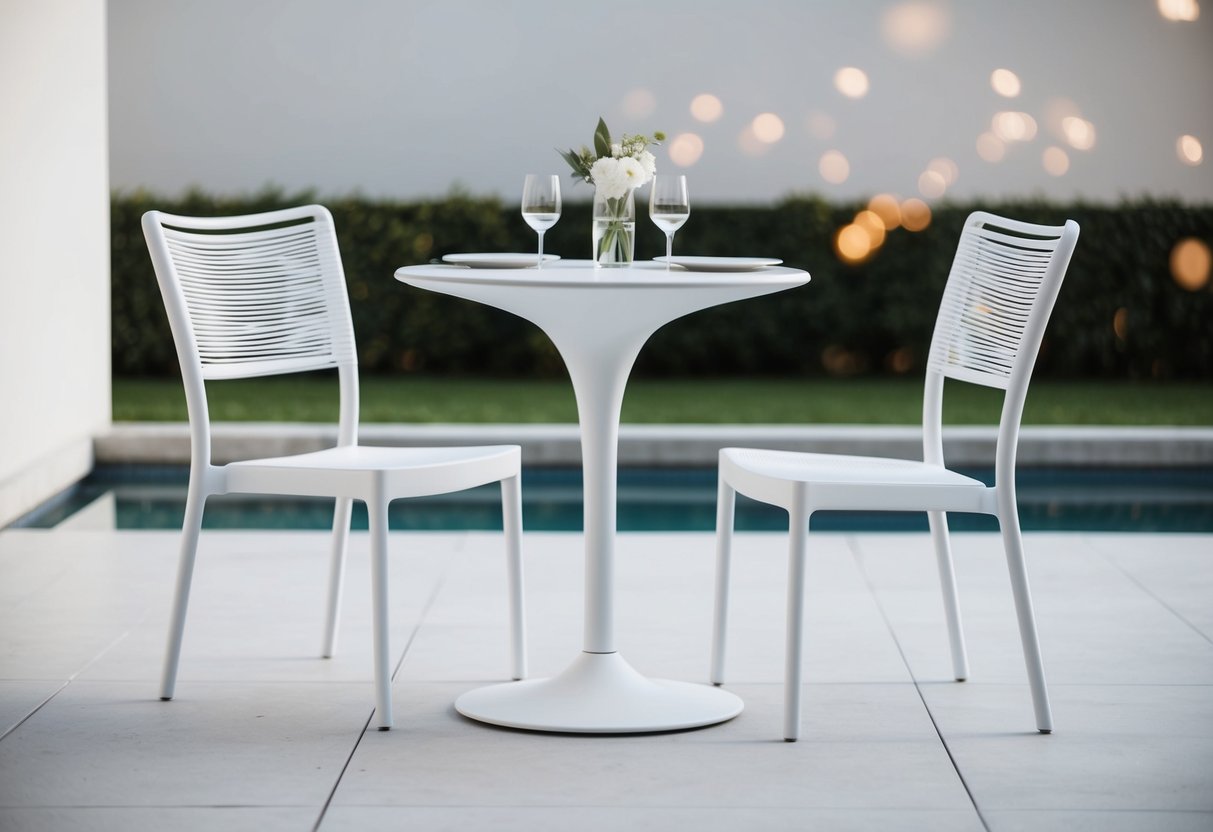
583	274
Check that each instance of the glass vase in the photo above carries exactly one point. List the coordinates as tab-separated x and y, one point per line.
614	229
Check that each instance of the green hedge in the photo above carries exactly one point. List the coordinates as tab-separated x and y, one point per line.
872	318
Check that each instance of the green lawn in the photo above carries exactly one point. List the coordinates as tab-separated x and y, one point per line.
721	401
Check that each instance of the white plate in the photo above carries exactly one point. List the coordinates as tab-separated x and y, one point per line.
721	264
498	260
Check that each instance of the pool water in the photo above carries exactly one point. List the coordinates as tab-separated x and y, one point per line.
666	499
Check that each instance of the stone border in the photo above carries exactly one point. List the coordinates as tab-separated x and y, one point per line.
674	445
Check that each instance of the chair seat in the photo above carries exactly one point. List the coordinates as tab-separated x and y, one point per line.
353	470
839	481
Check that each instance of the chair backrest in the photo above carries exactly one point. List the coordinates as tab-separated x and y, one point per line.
255	295
999	295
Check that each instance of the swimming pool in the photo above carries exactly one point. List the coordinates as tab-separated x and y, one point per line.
655	499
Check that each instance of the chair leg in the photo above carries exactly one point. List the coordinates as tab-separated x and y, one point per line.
726	499
938	521
511	513
1012	540
195	504
798	534
377	515
341	534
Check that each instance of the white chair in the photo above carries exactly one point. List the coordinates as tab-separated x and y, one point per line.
1001	289
264	294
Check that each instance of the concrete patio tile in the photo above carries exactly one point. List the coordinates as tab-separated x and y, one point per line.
649	819
1096	625
179	819
20	699
1093	821
99	744
863	747
1114	747
1175	572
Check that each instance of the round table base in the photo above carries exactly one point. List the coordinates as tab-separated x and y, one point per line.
599	693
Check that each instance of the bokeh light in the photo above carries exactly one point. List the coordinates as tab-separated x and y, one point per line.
1056	161
820	125
991	148
685	149
915	214
1184	11
887	208
1120	323
768	128
1079	132
1005	83
852	243
1190	263
706	107
931	184
915	29
1014	127
946	168
851	82
639	103
1190	150
872	223
749	144
834	167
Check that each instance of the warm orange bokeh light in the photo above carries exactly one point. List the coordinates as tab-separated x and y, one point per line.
931	184
685	149
767	128
990	147
1014	127
1190	264
871	222
852	243
1056	161
1120	323
1079	132
834	167
1190	150
886	207
706	107
1005	83
915	215
915	28
1185	11
851	82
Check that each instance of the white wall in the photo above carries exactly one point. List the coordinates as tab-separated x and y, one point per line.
54	246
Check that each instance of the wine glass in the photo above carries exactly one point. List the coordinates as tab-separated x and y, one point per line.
541	204
669	207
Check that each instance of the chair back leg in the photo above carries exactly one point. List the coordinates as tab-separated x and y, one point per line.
341	535
1012	540
938	522
376	510
798	534
726	500
195	504
511	514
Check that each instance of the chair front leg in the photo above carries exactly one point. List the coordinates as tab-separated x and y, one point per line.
341	534
1012	540
798	534
726	500
511	512
376	509
195	504
938	521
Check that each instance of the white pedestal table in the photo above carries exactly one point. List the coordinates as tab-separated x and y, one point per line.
599	319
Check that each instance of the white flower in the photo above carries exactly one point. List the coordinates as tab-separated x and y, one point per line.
616	150
649	162
611	176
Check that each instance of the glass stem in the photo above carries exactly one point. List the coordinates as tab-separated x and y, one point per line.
539	262
669	249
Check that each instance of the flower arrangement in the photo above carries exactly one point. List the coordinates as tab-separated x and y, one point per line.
616	170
